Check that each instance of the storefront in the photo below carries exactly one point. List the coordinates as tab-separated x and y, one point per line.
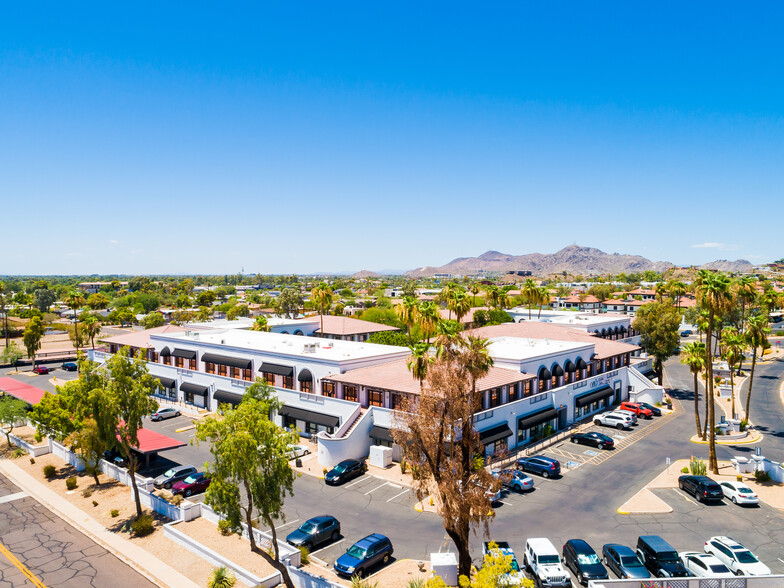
225	397
592	402
536	426
196	395
308	421
495	438
167	389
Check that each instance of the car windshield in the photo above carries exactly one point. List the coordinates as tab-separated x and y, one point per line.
191	479
549	559
669	556
515	567
745	557
170	473
339	469
719	569
745	490
587	559
357	552
308	527
630	562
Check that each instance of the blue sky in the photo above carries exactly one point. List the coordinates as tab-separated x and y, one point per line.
179	138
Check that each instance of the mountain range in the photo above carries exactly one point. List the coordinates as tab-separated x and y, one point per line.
574	259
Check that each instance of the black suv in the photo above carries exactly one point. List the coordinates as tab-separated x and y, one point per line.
345	470
660	557
702	487
583	561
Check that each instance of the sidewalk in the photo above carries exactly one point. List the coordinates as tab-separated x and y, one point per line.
138	558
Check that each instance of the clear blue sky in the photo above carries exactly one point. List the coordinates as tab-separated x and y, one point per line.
179	138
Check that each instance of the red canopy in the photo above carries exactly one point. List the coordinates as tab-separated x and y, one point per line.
22	391
152	442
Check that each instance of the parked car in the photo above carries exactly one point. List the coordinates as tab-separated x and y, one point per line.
660	558
41	370
624	562
705	564
193	484
598	440
583	561
637	409
345	470
736	557
654	409
739	493
164	413
515	480
547	467
69	366
315	532
513	578
363	555
173	475
702	487
297	451
625	412
542	561
614	419
686	333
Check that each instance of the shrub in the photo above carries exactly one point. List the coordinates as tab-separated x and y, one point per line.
95	503
50	471
115	513
697	467
142	526
761	476
744	424
32	461
416	583
304	555
87	493
357	582
403	466
177	499
71	483
224	527
221	578
685	470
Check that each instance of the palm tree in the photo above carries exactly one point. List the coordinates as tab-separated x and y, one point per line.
476	360
693	355
75	300
756	338
745	294
407	312
461	304
542	298
92	328
260	324
428	317
733	344
702	322
447	292
769	298
418	361
3	312
492	293
676	290
322	296
447	338
714	293
661	291
530	292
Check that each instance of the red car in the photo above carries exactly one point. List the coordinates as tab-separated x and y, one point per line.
40	370
192	484
637	408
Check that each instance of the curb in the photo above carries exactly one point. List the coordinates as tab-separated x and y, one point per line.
752	442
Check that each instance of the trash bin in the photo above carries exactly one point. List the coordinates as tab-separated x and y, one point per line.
742	465
444	565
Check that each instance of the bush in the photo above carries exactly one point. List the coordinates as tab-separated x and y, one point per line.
761	476
304	555
115	513
685	470
71	483
403	466
416	583
142	526
221	578
177	499
224	527
744	424
50	472
95	503
697	467
32	461
87	493
18	452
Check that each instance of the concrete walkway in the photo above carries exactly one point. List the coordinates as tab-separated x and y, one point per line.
139	559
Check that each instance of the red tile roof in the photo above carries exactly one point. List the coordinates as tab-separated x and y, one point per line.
345	325
141	339
22	391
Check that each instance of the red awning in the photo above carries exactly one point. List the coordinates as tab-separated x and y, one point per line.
22	391
152	442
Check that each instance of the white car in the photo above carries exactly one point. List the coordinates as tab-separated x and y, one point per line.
704	564
614	419
164	413
542	560
627	412
736	557
296	451
739	493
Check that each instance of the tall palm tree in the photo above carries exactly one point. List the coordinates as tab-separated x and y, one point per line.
542	298
461	304
756	338
476	360
92	328
661	291
407	312
733	344
447	293
693	355
745	294
418	361
447	338
492	293
75	300
428	317
677	289
702	322
714	292
530	292
769	298
3	312
322	296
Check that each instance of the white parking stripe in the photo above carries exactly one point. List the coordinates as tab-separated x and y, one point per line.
356	482
376	488
401	494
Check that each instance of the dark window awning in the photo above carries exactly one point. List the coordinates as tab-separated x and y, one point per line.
194	389
309	416
544	374
558	371
278	370
570	367
581	365
167	382
494	434
381	434
184	353
227	397
235	362
594	396
165	352
305	376
537	418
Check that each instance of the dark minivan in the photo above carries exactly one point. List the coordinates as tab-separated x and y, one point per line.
702	487
660	557
363	555
583	561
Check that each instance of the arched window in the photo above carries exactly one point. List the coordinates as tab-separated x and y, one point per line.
558	374
544	378
570	370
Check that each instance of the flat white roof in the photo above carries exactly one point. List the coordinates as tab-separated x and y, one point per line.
518	348
565	317
296	345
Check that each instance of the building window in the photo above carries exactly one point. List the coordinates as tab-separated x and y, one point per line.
153	356
311	428
178	362
350	393
192	364
222	370
268	377
306	386
209	367
234	372
397	401
247	375
528	388
495	397
328	389
288	382
375	398
166	360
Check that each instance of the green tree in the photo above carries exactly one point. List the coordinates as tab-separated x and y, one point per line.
495	572
33	333
206	298
406	312
428	316
658	323
530	292
12	354
756	338
43	299
12	411
153	320
459	303
87	444
389	338
260	324
91	328
97	301
75	300
676	289
123	316
419	360
4	312
733	344
288	303
693	355
322	297
745	291
493	295
251	474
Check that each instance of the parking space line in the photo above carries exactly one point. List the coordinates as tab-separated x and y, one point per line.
357	482
401	494
376	488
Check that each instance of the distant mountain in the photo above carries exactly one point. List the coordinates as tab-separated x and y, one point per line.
723	265
572	259
365	274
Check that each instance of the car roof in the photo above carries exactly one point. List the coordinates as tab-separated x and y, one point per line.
621	549
656	542
728	541
321	519
348	461
370	540
581	546
543	546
